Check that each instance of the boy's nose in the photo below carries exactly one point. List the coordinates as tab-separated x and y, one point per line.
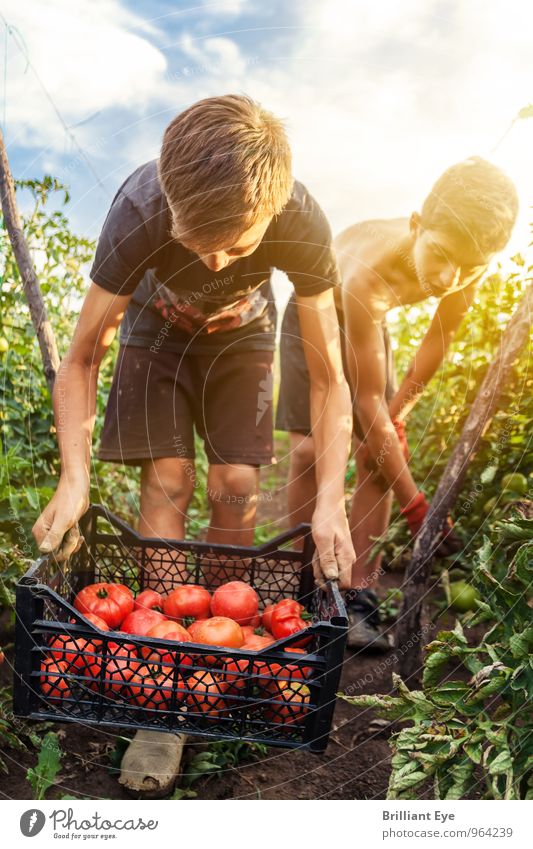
216	262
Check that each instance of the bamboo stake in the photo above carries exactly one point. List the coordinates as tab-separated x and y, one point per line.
30	282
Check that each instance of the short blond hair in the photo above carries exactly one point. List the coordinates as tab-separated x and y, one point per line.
225	164
475	203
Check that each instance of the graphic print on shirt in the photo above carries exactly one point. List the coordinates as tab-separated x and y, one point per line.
195	312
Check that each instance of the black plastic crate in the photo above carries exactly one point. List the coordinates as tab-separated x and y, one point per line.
192	688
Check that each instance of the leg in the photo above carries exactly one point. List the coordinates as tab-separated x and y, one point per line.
232	490
166	488
301	482
369	517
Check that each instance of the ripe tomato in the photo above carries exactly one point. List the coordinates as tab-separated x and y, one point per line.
285	623
219	631
289	603
121	664
256	643
66	649
111	602
187	602
151	687
54	679
289	703
273	675
235	600
141	621
149	600
167	630
207	694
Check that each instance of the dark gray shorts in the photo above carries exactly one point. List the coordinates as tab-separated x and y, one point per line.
293	413
158	399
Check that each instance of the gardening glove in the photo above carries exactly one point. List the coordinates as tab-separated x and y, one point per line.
448	542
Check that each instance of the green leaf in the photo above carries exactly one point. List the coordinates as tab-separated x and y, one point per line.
42	776
501	764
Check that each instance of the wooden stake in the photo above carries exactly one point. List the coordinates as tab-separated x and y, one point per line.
43	328
409	639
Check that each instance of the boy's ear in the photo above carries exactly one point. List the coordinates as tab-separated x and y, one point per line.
414	224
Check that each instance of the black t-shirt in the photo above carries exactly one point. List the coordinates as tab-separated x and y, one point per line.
177	303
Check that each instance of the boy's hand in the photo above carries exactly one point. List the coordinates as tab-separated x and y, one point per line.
334	556
56	530
415	513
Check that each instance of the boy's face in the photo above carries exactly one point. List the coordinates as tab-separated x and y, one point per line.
441	265
218	258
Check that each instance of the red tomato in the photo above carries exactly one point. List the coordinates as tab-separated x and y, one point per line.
256	643
121	665
111	602
187	602
2	657
54	680
219	631
68	650
275	675
151	687
289	603
141	621
167	630
235	600
285	623
290	703
94	620
207	694
149	600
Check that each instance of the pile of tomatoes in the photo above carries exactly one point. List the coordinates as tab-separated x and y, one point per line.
228	618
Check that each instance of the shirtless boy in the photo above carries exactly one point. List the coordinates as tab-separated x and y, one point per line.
441	252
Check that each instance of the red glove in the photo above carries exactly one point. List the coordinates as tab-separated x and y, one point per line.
448	542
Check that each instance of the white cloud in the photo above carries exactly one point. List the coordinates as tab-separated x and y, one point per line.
379	98
88	55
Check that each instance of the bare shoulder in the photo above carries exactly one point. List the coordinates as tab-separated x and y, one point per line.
364	255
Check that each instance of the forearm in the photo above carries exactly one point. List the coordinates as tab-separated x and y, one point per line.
75	413
385	449
331	421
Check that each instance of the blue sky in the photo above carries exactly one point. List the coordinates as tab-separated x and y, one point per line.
378	97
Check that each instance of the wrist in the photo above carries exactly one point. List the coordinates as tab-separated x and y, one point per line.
79	480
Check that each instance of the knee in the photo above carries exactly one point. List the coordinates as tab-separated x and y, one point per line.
303	455
161	484
233	485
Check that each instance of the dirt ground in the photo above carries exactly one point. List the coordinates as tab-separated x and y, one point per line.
355	764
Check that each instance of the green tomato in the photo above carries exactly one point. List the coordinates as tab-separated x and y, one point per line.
490	505
515	482
463	596
4	345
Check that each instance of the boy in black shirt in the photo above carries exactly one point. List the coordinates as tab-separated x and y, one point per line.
183	264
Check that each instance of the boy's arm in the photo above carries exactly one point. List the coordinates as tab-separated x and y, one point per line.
367	368
331	421
75	411
448	316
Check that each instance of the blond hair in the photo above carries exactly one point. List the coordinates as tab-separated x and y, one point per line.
225	163
475	203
